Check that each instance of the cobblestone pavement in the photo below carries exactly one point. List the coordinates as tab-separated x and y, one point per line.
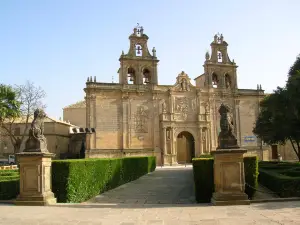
146	214
163	186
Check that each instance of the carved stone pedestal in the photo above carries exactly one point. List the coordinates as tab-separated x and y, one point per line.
35	179
229	177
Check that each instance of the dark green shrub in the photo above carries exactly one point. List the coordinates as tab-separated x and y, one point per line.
9	188
82	179
284	186
203	179
292	173
251	175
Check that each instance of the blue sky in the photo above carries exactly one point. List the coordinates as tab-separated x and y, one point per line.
57	44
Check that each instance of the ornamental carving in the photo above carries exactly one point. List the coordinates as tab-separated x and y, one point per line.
181	107
141	120
183	82
164	107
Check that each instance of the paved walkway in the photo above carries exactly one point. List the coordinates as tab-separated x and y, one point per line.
163	186
125	214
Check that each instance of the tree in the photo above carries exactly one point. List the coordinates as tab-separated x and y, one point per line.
9	105
30	98
279	117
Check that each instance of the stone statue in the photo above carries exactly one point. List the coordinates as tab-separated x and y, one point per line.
184	85
227	138
36	141
164	107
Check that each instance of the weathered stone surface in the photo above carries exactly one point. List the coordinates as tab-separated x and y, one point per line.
229	177
35	179
287	213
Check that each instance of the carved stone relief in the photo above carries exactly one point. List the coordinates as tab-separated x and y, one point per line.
181	107
141	120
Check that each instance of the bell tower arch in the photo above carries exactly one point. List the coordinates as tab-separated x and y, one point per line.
138	66
219	70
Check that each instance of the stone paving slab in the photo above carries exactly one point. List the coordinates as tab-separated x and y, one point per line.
162	214
174	185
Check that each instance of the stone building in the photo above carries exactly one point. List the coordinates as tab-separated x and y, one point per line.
137	116
57	133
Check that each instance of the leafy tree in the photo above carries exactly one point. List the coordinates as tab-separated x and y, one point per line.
279	118
9	104
30	98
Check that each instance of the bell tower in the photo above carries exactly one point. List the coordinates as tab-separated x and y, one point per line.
220	71
138	66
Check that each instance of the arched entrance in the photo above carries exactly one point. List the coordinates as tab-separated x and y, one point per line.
185	147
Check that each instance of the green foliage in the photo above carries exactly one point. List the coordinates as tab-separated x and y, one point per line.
205	156
251	175
82	179
279	118
9	105
204	177
9	184
282	178
8	172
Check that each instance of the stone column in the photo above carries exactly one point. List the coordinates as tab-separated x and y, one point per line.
165	140
124	120
200	140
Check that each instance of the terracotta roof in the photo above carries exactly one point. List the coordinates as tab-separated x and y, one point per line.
80	104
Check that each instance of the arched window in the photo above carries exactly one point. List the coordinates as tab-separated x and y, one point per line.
227	81
138	50
215	80
131	77
146	76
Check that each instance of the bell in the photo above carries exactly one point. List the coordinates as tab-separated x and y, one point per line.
147	80
131	78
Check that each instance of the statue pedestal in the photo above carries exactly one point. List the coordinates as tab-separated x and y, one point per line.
35	179
229	177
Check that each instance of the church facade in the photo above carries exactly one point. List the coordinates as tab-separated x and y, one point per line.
177	122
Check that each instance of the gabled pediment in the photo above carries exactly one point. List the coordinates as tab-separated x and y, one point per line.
183	83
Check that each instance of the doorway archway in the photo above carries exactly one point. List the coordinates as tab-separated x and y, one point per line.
185	147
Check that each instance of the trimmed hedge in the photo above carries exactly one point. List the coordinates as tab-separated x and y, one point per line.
204	177
251	175
9	184
283	178
82	179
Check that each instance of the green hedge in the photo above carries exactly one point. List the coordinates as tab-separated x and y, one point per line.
9	184
283	178
284	186
79	180
82	179
251	175
204	177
